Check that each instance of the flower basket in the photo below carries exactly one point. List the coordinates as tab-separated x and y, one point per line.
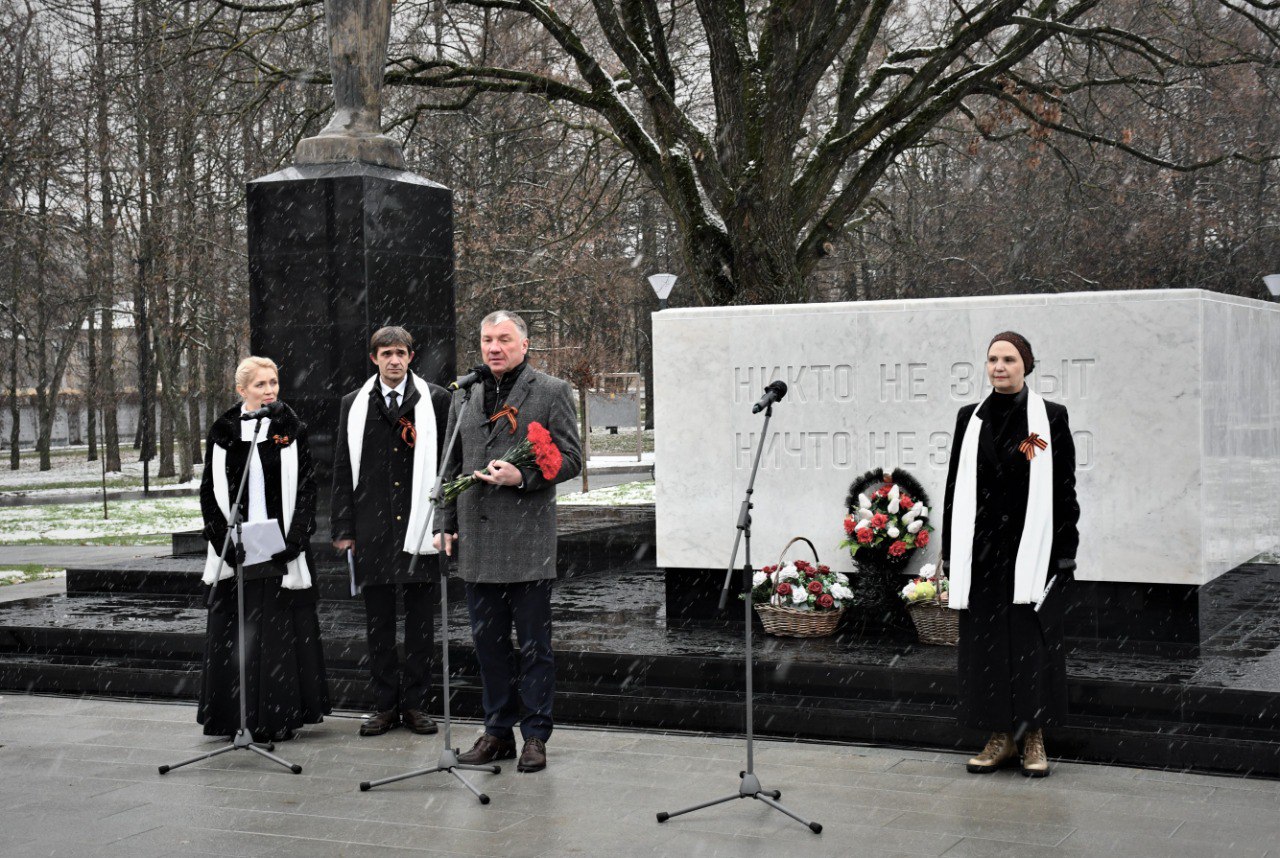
926	600
935	624
798	622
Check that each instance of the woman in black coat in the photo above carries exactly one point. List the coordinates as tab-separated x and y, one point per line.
285	674
1009	544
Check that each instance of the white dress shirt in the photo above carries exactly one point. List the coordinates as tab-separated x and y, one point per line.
399	389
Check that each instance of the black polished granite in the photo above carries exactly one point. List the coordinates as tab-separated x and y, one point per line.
335	252
1155	617
620	661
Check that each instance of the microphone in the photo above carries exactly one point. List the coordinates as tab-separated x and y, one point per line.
478	373
773	392
271	409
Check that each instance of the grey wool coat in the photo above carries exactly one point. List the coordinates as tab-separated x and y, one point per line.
508	534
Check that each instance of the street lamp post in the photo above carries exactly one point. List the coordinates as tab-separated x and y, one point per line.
662	285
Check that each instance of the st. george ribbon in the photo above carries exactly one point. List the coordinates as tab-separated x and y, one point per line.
478	373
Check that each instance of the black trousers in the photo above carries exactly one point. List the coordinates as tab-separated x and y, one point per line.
395	684
518	688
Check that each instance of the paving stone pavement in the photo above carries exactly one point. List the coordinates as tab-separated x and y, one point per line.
78	777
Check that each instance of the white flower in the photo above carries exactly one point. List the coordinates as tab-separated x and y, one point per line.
863	501
894	533
842	578
928	571
909	590
864	523
924	510
911	515
840	591
788	573
758	579
914	527
894	505
863	514
799	595
895	492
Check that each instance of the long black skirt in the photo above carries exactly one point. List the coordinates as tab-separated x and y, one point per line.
284	670
1012	666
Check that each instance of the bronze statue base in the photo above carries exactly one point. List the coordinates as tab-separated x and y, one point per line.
376	149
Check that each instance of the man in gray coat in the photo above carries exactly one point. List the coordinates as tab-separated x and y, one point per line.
504	532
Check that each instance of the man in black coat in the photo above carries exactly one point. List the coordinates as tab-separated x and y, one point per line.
388	444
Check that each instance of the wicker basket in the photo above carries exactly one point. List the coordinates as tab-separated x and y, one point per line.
934	623
793	623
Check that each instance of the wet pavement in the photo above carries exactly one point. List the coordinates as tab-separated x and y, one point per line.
81	780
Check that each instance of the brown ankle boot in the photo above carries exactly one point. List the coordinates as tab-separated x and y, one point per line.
1000	751
1035	762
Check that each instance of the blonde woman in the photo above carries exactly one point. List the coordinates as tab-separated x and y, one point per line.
285	674
1009	542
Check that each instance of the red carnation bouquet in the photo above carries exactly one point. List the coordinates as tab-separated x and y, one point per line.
537	448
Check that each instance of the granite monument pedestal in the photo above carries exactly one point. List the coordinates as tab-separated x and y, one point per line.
335	252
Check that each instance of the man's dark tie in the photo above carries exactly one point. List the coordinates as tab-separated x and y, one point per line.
393	406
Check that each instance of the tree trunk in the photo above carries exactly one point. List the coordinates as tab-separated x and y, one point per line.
107	392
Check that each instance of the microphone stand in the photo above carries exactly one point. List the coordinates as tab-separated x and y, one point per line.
750	784
242	740
448	759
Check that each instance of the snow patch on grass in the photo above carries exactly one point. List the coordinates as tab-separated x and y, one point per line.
130	523
625	494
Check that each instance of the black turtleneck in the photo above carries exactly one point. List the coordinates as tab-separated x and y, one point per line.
497	390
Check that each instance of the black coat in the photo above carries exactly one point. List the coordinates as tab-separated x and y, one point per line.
225	433
284	656
376	513
1012	658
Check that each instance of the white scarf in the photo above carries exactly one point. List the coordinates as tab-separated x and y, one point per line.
1036	543
424	455
297	575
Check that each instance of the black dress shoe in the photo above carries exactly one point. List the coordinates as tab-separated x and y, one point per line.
418	721
487	749
380	722
533	757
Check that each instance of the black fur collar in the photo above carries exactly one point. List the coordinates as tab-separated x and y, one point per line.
226	429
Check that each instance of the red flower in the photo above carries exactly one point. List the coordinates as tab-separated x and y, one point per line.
545	451
906	503
784	589
849	524
922	539
879	520
823	570
865	535
815	586
898	549
882	492
802	566
825	601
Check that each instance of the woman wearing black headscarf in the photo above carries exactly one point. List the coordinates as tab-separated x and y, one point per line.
1009	544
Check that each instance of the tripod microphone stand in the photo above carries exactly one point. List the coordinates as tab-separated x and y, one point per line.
242	739
448	760
750	784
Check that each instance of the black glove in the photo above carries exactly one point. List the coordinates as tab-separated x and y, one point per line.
290	553
234	555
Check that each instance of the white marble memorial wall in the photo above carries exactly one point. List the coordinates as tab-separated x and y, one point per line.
1174	400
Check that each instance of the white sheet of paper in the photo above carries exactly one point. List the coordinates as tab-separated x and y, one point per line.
261	540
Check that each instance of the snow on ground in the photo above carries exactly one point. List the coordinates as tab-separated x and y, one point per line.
137	522
21	576
625	494
71	472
